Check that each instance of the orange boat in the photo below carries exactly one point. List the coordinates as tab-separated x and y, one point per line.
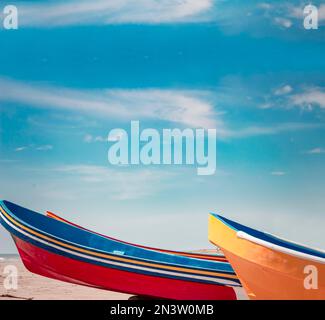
269	267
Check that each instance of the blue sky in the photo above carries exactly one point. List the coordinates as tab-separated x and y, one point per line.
77	69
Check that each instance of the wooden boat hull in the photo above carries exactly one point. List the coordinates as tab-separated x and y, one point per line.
269	270
70	270
61	251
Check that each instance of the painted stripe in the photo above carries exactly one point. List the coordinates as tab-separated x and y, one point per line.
201	256
246	236
4	216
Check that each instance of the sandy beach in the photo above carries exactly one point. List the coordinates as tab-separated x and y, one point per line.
34	287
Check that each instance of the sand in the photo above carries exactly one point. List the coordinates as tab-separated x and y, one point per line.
35	287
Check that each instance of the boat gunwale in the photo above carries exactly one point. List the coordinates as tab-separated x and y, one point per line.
318	254
188	254
248	237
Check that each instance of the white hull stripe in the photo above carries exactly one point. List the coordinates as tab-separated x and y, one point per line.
246	236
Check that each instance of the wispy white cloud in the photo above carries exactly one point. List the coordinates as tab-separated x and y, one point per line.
309	98
45	147
283	90
260	19
283	22
119	184
316	151
287	96
76	12
278	173
88	138
115	137
191	108
19	149
267	130
187	107
265	5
